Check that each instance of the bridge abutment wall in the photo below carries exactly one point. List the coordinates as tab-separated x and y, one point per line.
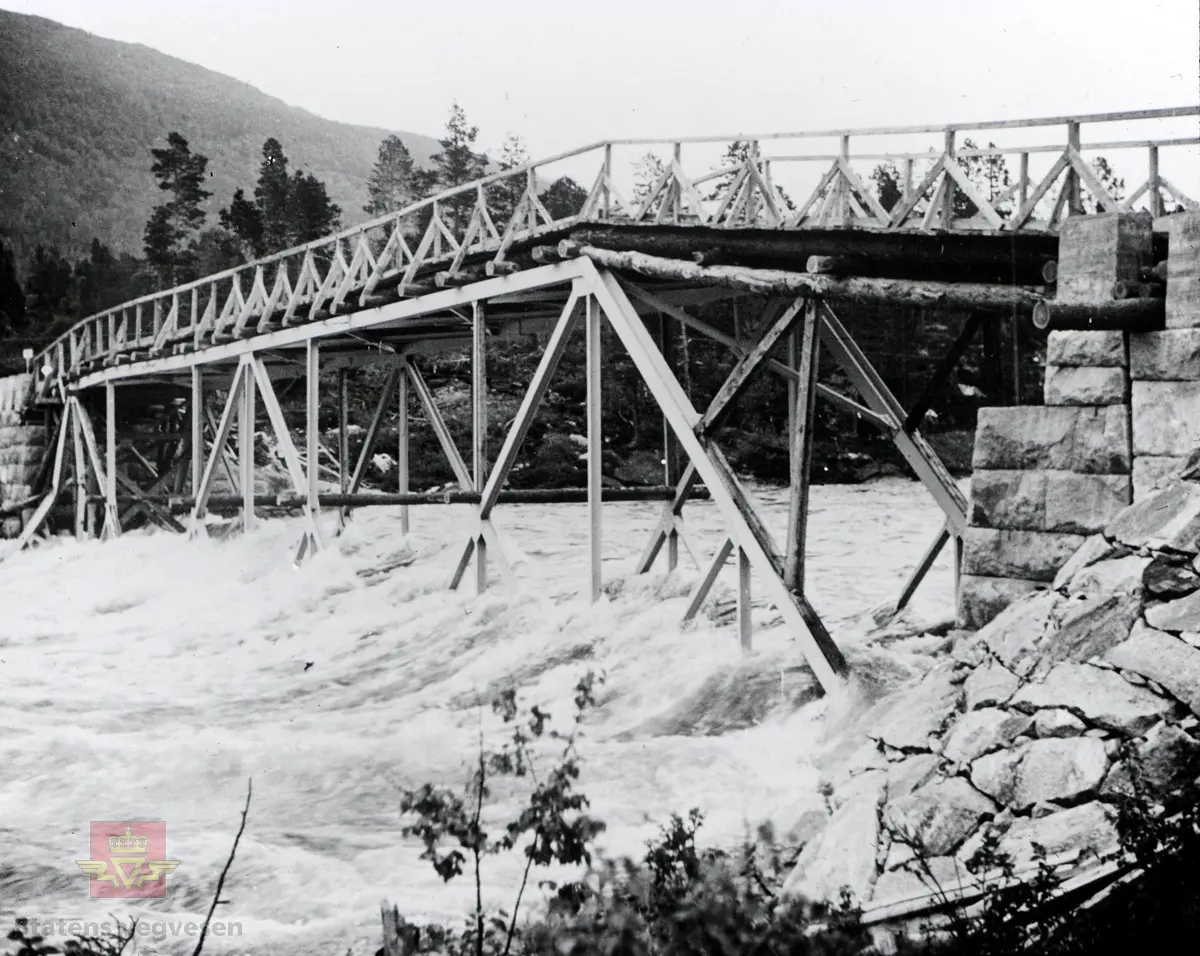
22	450
1120	420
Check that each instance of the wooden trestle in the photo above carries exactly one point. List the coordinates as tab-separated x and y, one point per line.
365	295
578	292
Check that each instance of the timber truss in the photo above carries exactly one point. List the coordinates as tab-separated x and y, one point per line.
243	374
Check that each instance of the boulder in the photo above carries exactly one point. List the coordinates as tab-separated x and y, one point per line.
1058	769
1167	759
1031	555
1083	348
939	816
1170	355
1087	626
981	598
1166	579
1017	633
1181	614
842	856
1164	417
905	776
1166	521
982	731
916	881
1095	548
917	715
1056	722
1120	576
1101	697
1084	440
1073	385
1085	828
1160	657
988	685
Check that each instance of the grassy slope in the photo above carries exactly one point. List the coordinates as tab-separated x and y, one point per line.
79	114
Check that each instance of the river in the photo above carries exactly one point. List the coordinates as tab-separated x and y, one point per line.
151	677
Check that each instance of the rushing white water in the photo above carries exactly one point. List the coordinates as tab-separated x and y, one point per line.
149	678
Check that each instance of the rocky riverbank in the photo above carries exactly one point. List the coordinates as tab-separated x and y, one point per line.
1034	727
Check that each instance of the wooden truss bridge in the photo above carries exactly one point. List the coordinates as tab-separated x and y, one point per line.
444	271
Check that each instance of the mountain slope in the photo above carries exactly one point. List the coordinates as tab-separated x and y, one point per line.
79	114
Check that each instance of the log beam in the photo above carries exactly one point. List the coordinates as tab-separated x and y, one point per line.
976	296
1127	315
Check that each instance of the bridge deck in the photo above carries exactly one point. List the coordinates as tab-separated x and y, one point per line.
441	269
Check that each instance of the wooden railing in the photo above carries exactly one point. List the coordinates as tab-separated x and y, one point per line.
347	271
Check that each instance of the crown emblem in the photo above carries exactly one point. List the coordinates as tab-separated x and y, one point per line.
128	843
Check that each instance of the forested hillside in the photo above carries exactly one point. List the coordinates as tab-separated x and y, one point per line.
80	113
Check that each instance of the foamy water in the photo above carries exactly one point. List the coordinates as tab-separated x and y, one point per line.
149	678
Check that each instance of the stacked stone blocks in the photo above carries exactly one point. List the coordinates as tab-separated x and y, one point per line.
1045	477
22	449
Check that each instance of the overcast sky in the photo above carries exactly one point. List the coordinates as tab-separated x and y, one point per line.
564	73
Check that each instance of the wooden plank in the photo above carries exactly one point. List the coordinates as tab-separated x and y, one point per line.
707	579
595	446
538	386
802	415
343	399
740	377
965	337
1043	187
922	568
110	448
80	472
312	427
196	412
246	416
373	428
402	440
744	604
449	449
479	415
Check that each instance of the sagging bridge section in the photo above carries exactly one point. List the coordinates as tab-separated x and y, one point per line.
444	271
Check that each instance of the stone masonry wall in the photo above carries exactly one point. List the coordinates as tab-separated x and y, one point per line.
1165	369
22	448
1045	477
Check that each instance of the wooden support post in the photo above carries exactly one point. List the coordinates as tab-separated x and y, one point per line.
402	441
1156	199
595	444
221	432
246	415
948	183
479	396
942	371
112	521
922	568
745	625
1074	195
843	212
802	410
707	579
1023	181
908	179
197	416
743	522
312	426
671	469
344	436
607	177
80	473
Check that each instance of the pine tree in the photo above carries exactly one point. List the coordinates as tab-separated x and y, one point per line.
504	195
312	214
49	285
456	165
564	197
174	222
12	297
244	220
271	195
391	184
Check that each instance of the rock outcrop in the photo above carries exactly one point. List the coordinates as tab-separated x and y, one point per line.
1032	726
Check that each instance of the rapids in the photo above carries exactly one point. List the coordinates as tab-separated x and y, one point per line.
148	678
